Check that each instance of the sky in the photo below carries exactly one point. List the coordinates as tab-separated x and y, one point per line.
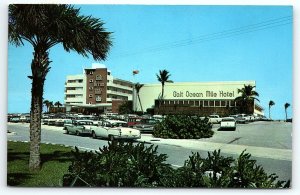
194	43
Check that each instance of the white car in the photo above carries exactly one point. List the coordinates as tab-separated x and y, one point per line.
214	119
79	127
115	129
228	123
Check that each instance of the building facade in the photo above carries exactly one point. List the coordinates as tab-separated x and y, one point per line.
201	98
96	91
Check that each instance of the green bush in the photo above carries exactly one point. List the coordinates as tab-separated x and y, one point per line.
119	165
183	127
217	171
129	165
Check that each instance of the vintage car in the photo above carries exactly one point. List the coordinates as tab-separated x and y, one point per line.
79	127
133	121
214	119
228	123
146	125
115	129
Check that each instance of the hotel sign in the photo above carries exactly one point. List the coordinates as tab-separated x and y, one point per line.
205	94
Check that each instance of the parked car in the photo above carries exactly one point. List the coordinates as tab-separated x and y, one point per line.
51	121
133	121
79	127
228	123
25	118
115	129
241	119
59	122
15	119
214	119
146	125
67	122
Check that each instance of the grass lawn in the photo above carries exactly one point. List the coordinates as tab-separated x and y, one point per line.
55	163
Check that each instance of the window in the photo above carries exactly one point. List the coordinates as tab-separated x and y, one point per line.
90	88
80	81
91	72
99	77
98	98
211	103
91	95
217	103
205	103
223	103
91	80
232	104
101	84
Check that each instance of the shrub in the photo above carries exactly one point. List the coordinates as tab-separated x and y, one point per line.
119	165
224	172
183	127
129	165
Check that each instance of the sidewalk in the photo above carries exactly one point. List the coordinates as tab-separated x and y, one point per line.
271	153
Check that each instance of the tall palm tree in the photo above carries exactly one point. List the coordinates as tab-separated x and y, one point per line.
271	103
137	87
247	97
163	77
44	26
58	104
286	105
46	102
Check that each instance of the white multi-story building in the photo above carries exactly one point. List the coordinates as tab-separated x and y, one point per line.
96	90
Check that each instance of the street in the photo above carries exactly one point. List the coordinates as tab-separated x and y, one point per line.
270	143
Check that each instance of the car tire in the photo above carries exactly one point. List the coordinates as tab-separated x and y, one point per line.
94	135
77	133
111	138
67	131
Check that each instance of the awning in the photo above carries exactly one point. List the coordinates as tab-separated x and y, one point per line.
101	105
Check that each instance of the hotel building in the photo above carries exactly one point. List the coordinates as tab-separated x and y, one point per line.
203	98
96	91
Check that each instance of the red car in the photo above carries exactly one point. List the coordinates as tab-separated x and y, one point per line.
133	121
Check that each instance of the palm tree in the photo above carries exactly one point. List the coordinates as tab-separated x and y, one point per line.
286	105
44	26
46	102
58	104
137	87
163	77
247	97
271	103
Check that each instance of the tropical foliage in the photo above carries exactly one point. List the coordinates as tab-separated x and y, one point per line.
246	98
126	108
183	127
163	77
135	165
47	104
119	165
271	103
44	26
58	104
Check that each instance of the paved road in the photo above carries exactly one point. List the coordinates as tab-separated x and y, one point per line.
269	143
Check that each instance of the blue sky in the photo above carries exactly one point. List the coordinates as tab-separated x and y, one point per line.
195	43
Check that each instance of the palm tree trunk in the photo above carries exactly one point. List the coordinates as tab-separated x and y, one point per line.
140	103
39	67
269	112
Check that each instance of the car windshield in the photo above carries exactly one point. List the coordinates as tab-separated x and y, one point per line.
85	123
149	121
119	125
